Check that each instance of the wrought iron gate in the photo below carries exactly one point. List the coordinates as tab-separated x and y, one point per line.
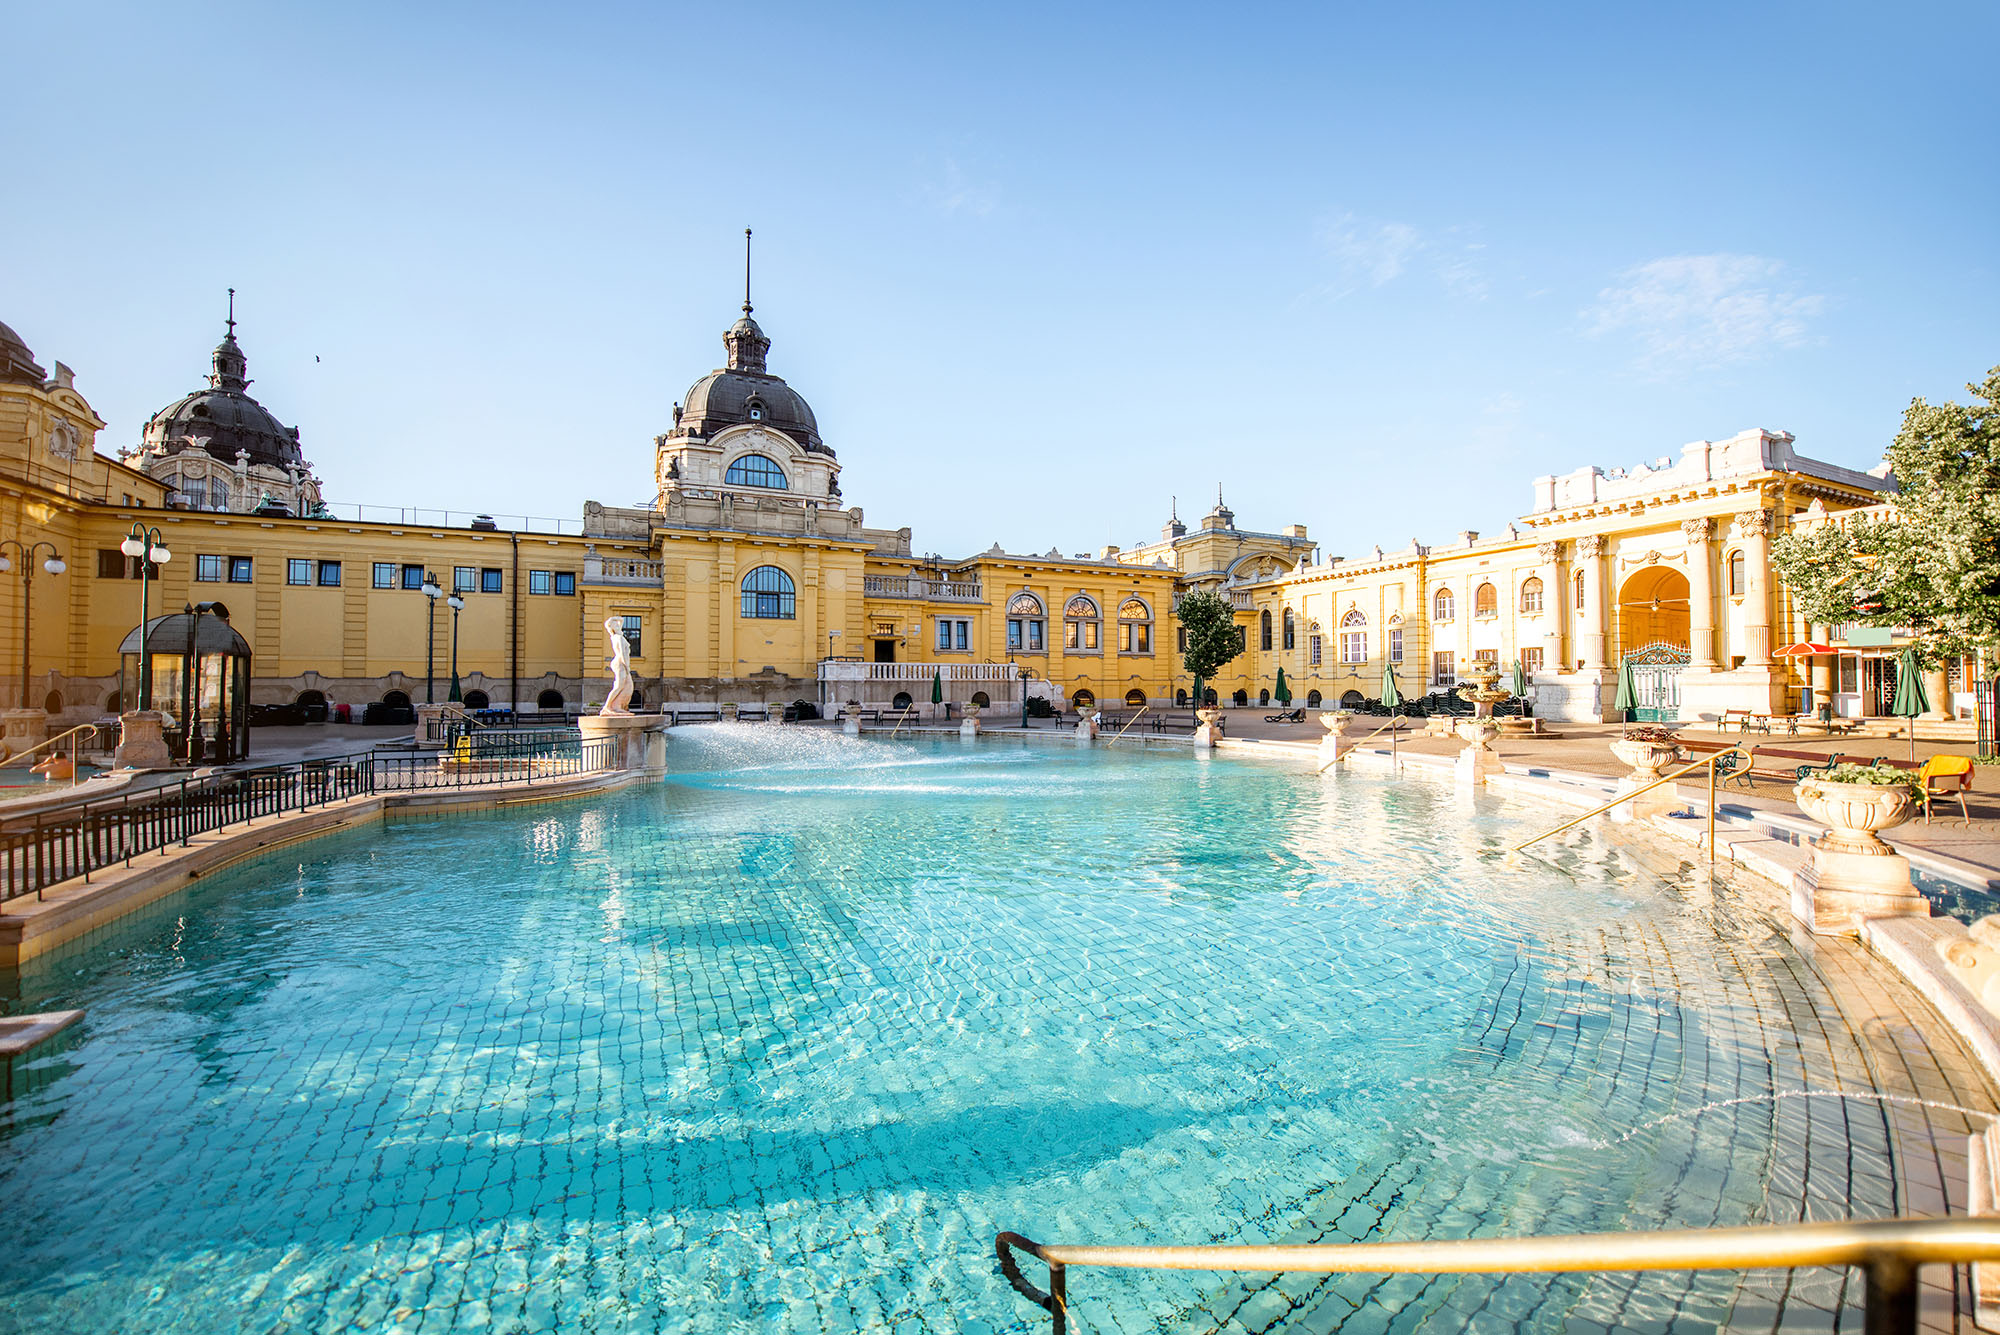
1656	681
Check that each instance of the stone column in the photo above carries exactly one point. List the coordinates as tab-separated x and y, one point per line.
1701	593
1591	624
1822	667
1938	687
1755	528
1554	599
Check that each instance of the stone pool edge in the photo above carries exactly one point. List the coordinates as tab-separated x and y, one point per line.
74	909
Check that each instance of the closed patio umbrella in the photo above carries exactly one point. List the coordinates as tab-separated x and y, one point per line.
1520	678
937	687
1282	693
1391	697
1628	692
1910	699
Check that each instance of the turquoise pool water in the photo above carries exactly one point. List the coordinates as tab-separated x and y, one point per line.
780	1045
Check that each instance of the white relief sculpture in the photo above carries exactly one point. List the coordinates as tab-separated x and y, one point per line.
620	664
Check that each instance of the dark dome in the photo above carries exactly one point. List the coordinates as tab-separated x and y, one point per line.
168	634
726	398
225	419
17	364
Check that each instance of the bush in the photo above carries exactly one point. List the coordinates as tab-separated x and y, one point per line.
1881	776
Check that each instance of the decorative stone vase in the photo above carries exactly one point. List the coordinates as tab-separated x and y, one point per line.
1855	813
1335	720
1647	759
1209	715
1478	733
972	712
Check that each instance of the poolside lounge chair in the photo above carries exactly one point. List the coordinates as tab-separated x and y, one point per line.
1289	716
1945	777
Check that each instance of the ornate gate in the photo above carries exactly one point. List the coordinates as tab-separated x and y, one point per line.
1656	678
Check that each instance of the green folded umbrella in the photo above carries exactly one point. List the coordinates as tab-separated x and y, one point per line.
1910	699
1391	697
937	687
1520	678
1283	693
1628	690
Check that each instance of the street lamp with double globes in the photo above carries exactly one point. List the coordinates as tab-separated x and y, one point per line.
457	605
54	565
150	548
432	591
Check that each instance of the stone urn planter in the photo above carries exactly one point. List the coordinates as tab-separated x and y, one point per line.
1647	759
1855	813
972	713
1335	721
1209	715
1208	733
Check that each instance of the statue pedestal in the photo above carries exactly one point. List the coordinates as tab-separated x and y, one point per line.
25	728
1334	745
141	742
430	726
969	729
1478	762
1209	733
1086	727
850	718
1836	889
638	741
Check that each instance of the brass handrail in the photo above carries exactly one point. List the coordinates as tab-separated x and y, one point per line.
1888	1250
13	761
1130	721
1749	755
909	710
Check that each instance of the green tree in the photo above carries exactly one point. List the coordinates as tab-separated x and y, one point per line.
1210	624
1933	562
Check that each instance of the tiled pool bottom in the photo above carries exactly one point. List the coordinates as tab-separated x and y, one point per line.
781	1044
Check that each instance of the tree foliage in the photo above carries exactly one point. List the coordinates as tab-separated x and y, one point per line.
1211	633
1933	562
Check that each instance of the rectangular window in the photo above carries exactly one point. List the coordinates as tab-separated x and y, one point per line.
490	581
208	569
1531	661
240	571
1444	668
329	574
413	577
1013	633
541	581
565	583
1490	657
1313	650
1034	637
1180	638
1354	646
1850	675
944	635
462	579
1135	637
965	635
385	575
631	631
298	571
1242	638
954	635
112	563
1395	644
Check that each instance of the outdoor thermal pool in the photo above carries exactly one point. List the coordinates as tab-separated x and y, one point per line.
781	1043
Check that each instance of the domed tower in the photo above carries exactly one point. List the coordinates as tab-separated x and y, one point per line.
220	449
743	431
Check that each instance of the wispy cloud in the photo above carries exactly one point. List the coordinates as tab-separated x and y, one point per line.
1691	312
1372	252
951	191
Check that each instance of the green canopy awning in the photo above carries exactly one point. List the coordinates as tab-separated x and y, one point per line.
1391	697
1283	693
1628	690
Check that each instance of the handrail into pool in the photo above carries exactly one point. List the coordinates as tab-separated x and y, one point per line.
14	760
908	710
1130	721
1708	761
1887	1250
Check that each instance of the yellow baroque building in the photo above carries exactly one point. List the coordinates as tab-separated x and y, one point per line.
749	580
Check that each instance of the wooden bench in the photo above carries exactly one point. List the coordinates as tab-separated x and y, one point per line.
753	713
701	713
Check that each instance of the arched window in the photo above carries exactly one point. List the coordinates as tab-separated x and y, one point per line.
1579	590
754	470
1486	601
1080	625
768	595
1181	697
1314	645
479	700
982	699
1135	627
1353	700
1264	629
1134	698
1026	626
397	700
1084	701
1291	630
1531	596
1354	637
1395	639
1264	696
1442	608
901	701
1736	574
1313	698
52	703
1240	699
549	700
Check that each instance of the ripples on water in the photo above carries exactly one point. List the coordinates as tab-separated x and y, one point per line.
783	1042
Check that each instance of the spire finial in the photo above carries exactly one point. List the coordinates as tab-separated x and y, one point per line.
232	312
746	271
1173	507
1218	495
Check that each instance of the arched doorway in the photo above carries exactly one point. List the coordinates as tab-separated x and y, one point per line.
1653	621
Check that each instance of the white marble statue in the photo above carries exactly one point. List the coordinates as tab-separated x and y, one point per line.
620	664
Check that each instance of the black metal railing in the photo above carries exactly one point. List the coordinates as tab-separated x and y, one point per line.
41	850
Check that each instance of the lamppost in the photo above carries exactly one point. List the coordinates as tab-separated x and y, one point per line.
151	549
53	564
432	592
457	605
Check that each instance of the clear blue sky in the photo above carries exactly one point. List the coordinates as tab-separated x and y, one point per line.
1035	269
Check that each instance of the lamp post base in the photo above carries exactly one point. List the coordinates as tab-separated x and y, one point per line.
142	742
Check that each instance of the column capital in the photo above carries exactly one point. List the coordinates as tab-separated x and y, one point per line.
1754	523
1549	552
1590	545
1698	530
